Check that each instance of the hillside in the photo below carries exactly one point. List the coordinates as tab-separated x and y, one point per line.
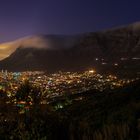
111	115
92	115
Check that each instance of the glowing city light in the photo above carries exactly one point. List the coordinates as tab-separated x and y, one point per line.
92	71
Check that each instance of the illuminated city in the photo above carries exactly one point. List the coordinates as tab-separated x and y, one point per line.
61	83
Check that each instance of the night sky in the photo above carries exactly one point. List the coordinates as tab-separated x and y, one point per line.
19	18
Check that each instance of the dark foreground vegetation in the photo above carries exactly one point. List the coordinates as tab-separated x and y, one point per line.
93	115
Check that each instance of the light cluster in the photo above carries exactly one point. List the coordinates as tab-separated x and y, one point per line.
61	83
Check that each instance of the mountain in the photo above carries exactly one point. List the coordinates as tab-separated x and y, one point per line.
112	50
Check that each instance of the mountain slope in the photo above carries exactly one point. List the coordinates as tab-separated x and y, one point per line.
53	53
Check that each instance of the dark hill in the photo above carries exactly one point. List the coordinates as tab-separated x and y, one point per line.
110	115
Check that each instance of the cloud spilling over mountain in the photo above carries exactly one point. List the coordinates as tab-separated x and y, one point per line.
38	42
102	50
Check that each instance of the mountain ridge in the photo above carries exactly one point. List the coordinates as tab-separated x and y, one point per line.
78	52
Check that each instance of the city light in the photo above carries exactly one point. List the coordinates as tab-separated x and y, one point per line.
92	71
58	84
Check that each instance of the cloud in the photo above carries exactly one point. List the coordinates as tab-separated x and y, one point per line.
6	49
39	42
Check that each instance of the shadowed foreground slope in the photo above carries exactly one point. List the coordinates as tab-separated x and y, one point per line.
109	115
